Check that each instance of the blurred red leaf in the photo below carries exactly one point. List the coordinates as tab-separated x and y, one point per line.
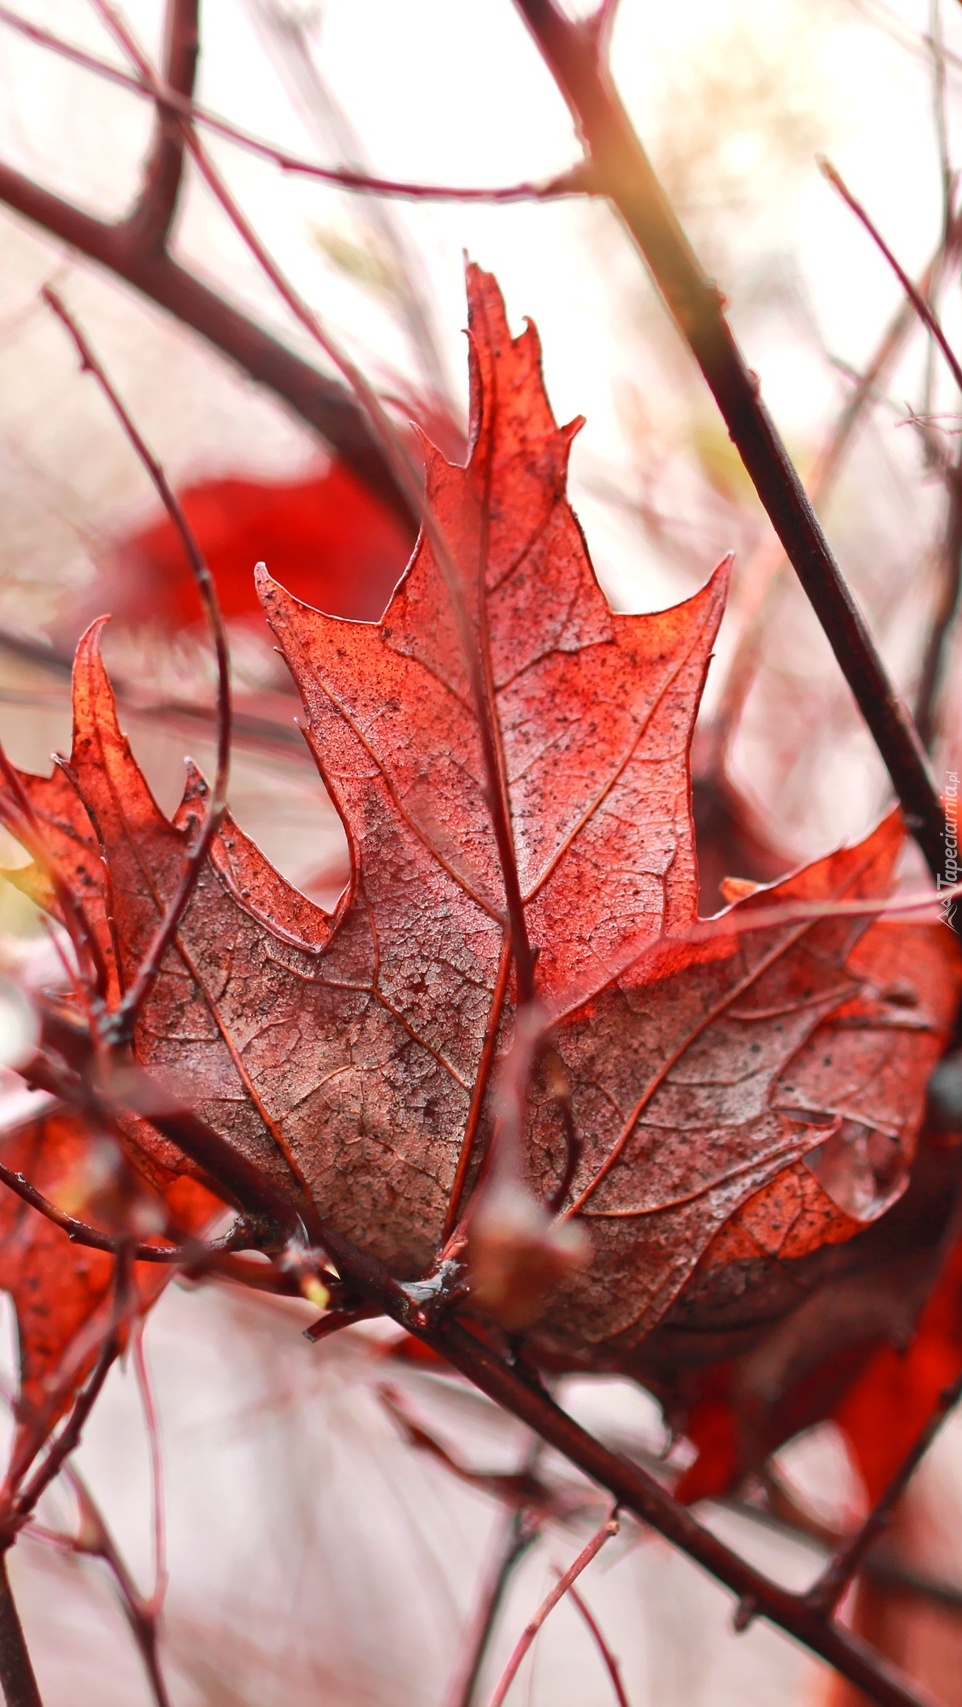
327	536
62	1290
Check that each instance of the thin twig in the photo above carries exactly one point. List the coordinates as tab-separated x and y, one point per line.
608	1659
625	175
186	1254
176	102
19	1505
528	1634
766	574
322	402
922	308
152	1426
520	1393
140	1614
520	1531
123	1017
827	1592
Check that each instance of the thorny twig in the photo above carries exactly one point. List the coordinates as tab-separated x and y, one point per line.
520	1393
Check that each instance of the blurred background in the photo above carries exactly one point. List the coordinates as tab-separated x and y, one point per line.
314	1554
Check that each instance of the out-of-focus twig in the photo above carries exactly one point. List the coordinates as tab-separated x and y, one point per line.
826	1593
573	181
149	221
520	1531
323	403
122	1019
766	578
573	54
528	1634
607	1657
922	308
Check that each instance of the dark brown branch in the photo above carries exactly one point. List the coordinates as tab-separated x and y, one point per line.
323	403
828	463
149	222
189	1253
122	1019
523	1397
16	1671
625	175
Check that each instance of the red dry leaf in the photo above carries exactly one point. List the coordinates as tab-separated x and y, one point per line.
62	1292
777	1061
326	536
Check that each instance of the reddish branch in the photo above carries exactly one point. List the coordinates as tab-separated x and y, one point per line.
135	249
767	576
921	306
519	1391
575	181
575	54
322	402
152	215
827	1592
158	206
564	1583
607	1657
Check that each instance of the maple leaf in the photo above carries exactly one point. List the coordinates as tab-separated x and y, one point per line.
510	758
61	1291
